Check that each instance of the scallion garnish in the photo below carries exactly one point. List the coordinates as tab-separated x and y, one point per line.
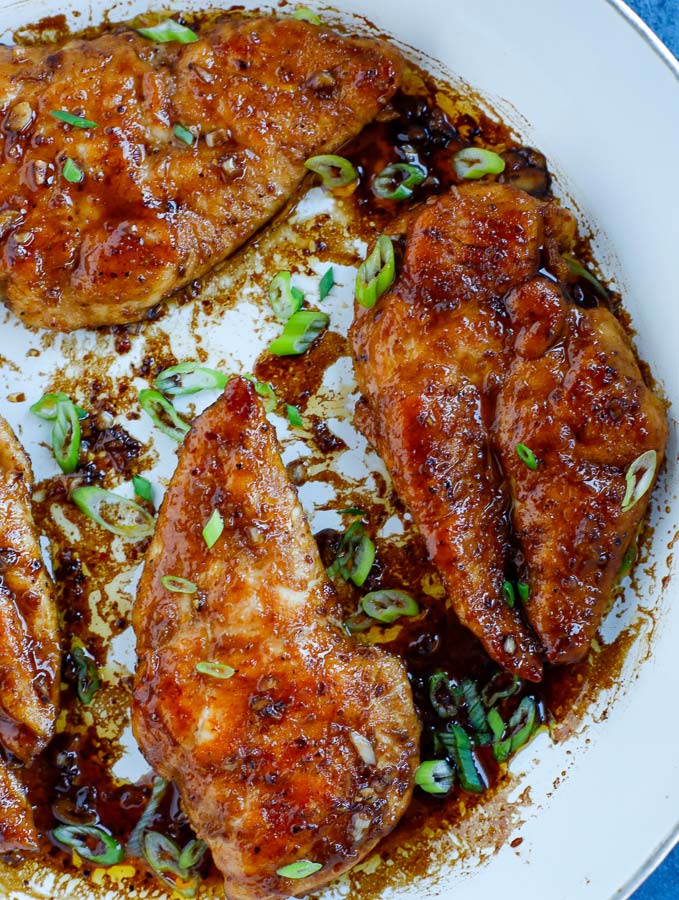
358	622
160	787
214	669
285	300
352	511
178	585
475	710
46	407
301	330
294	416
189	378
576	268
335	171
183	134
213	529
475	162
111	510
355	555
376	273
444	695
91	843
523	590
305	15
66	436
627	561
167	31
457	743
496	689
72	172
264	390
639	478
142	488
522	726
527	456
497	726
326	284
508	594
70	119
389	605
87	674
193	854
435	776
300	869
163	414
398	181
163	856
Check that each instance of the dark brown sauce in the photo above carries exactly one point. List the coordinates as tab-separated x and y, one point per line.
74	776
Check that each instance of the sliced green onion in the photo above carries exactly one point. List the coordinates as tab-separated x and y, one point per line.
301	330
264	390
189	378
285	300
352	511
358	622
193	854
576	268
66	436
72	172
627	561
522	727
389	605
523	590
398	181
70	119
458	744
106	852
508	594
639	478
213	529
167	31
335	171
183	134
178	585
294	416
300	869
305	15
474	162
496	723
527	456
142	488
163	855
160	787
475	710
163	414
214	669
444	695
110	511
88	682
326	284
376	273
494	691
355	555
435	776
46	407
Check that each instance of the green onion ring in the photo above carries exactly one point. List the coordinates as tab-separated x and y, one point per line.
457	742
475	710
76	838
637	486
435	776
142	488
94	500
285	300
72	172
265	390
301	330
335	171
213	529
398	181
576	268
509	594
376	273
66	436
46	407
303	14
189	378
358	622
523	590
326	284
527	456
88	682
193	854
163	855
163	414
182	133
389	605
167	31
355	555
303	868
491	693
294	416
497	725
160	788
215	669
627	561
475	162
178	585
444	695
70	119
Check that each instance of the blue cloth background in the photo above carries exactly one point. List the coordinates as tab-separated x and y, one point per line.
663	17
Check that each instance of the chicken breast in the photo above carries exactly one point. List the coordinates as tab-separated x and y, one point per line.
429	359
157	207
576	398
30	657
307	751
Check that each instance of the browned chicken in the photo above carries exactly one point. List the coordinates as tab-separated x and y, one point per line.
97	225
301	744
575	397
429	357
29	643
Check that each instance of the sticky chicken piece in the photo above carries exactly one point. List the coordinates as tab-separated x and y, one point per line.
429	358
307	752
576	398
29	643
156	208
17	828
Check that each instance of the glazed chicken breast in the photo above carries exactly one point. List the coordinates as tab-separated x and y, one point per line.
30	656
288	741
196	146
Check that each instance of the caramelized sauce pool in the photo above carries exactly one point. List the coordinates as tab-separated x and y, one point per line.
74	781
